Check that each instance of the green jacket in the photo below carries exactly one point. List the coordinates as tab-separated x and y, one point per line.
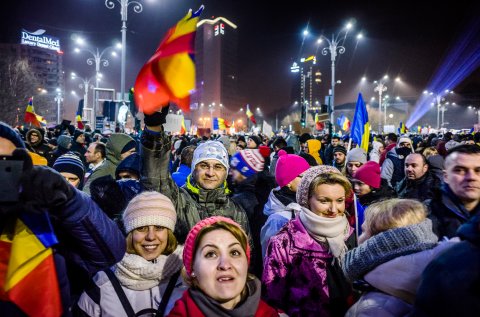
191	203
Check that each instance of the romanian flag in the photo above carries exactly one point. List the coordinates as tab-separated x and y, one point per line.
250	115
183	130
169	75
360	131
32	117
220	124
318	124
28	277
343	122
402	129
78	116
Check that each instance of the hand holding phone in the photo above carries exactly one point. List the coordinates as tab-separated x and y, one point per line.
11	170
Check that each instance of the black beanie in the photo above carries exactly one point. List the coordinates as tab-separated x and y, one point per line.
304	137
255	139
340	149
130	145
8	133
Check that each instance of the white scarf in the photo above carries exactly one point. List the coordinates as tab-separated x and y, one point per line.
332	230
134	272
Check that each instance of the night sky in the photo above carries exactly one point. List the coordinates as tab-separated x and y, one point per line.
401	38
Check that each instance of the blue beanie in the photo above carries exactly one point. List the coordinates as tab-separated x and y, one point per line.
248	162
8	133
70	163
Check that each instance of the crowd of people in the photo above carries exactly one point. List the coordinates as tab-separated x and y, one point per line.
154	224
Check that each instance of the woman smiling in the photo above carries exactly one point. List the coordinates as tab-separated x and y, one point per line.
302	274
146	282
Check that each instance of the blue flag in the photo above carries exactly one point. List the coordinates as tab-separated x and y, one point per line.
360	130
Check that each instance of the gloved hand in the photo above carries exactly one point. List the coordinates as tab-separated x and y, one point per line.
157	118
46	188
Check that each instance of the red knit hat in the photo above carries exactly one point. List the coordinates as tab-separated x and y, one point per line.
188	250
369	173
264	150
288	167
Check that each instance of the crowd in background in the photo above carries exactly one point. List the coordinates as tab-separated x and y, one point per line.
253	225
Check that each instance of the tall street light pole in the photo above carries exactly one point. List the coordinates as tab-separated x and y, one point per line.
137	8
335	47
380	88
59	100
438	98
85	84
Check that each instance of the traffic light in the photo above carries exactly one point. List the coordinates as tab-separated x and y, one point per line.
303	116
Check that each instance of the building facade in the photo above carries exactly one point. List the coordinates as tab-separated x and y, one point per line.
217	92
47	66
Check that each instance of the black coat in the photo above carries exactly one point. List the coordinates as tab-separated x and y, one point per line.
421	189
447	212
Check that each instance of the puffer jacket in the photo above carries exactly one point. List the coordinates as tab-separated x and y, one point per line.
277	215
88	242
191	203
104	301
300	275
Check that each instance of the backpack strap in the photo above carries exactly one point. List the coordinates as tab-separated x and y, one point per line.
168	293
120	293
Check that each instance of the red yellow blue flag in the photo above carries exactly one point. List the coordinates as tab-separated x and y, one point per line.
220	124
28	277
32	117
250	115
169	75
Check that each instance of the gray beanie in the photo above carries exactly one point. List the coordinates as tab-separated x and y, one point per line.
386	246
357	155
210	150
63	141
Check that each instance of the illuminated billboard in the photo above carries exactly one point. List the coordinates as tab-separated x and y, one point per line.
39	39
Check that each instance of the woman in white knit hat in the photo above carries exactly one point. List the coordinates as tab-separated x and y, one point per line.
146	282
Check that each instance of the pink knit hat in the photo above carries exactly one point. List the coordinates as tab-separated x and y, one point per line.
188	250
149	209
288	167
369	173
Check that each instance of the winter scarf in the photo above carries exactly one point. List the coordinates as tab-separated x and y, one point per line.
386	246
334	231
134	272
247	308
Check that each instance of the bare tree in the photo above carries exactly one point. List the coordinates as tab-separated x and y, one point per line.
17	83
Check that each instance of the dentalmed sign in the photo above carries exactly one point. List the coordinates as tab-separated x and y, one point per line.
39	39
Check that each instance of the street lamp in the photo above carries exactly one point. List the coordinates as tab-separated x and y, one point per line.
335	46
85	84
59	100
137	8
98	58
380	87
438	98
